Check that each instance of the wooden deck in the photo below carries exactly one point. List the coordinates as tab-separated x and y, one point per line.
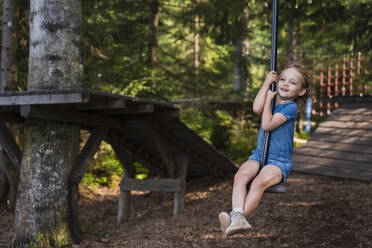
134	119
342	145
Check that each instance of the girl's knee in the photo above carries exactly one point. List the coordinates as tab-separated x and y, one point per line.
261	182
267	178
246	172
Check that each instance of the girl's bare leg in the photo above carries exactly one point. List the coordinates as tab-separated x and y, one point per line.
246	172
268	176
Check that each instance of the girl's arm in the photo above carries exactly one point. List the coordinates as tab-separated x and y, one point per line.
259	100
269	121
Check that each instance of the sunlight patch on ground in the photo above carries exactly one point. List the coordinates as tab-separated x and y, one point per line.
198	195
299	204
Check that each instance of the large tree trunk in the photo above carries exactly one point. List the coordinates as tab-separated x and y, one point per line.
291	35
240	62
50	149
8	54
153	38
8	82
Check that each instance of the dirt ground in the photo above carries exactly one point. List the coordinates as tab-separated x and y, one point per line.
316	211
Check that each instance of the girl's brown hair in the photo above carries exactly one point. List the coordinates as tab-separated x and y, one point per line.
301	100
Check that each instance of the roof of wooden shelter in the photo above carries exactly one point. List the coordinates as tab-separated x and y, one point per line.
129	116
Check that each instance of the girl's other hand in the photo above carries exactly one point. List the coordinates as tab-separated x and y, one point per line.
270	78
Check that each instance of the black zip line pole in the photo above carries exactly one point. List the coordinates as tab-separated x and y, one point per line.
265	147
274	41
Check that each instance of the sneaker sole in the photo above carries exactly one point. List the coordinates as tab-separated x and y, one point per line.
232	231
224	221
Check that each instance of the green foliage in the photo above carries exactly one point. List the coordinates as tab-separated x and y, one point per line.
243	141
141	172
105	170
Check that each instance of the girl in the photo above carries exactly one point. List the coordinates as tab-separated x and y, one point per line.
292	87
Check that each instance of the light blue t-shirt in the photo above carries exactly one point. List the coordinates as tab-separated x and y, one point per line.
281	139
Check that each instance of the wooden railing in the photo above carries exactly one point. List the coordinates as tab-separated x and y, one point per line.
346	75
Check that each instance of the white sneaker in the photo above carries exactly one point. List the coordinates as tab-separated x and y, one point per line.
238	223
224	221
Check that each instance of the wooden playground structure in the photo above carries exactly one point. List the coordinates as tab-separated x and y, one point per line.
137	129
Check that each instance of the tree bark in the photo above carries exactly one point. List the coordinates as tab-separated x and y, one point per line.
153	39
240	63
291	35
8	48
50	148
8	82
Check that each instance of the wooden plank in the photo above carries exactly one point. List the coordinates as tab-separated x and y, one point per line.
11	147
362	110
355	118
101	104
351	147
81	164
333	171
332	162
347	124
162	185
84	119
137	109
336	154
343	139
52	98
343	131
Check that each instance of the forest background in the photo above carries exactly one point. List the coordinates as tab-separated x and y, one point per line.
209	56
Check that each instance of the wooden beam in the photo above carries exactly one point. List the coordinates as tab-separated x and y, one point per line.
122	153
51	98
13	178
162	147
162	185
107	104
133	109
81	164
11	147
84	119
157	114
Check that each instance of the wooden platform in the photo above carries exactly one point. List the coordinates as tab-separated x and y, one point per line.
342	145
140	130
135	119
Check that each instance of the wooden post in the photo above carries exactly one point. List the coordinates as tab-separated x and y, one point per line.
329	83
336	84
343	89
126	159
321	85
314	81
351	75
181	174
80	166
9	144
125	198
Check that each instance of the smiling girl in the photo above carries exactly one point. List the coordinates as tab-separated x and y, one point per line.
292	88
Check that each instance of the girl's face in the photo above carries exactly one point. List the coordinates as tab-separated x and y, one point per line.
290	85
